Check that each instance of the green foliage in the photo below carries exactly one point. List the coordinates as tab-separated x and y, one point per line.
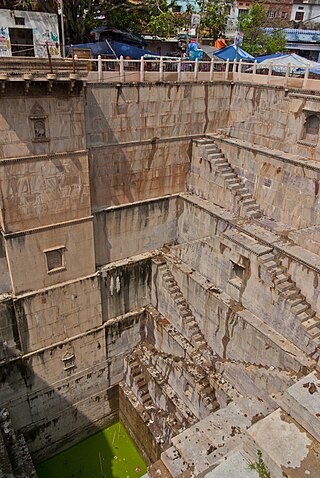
256	40
214	21
260	467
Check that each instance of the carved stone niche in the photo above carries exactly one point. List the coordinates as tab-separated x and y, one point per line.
311	128
39	127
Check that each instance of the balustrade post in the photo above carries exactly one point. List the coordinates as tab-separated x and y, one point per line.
161	76
305	78
211	69
226	73
254	70
240	69
269	73
122	78
99	68
179	69
141	69
287	74
196	69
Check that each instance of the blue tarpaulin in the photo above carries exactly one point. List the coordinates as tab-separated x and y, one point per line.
232	52
104	48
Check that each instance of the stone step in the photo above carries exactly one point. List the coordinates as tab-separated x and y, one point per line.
186	313
246	194
242	191
197	336
224	169
285	286
271	264
252	207
279	270
229	175
301	400
298	309
220	161
310	323
267	257
234	187
179	299
287	449
304	316
190	320
278	279
314	332
173	289
191	324
248	202
254	214
290	293
214	155
295	301
232	181
169	280
139	379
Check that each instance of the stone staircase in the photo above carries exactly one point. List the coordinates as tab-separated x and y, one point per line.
215	378
142	377
252	379
189	323
247	205
162	362
294	300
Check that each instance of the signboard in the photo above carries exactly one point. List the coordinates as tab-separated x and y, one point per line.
195	20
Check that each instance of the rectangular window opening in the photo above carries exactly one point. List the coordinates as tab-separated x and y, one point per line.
55	259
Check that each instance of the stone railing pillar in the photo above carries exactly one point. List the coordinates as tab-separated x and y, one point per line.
305	78
226	72
287	74
99	68
141	69
161	76
211	69
122	77
270	73
179	69
196	69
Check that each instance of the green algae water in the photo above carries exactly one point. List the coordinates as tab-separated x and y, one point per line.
109	453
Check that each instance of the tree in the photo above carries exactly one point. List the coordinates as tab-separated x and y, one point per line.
255	38
49	6
214	21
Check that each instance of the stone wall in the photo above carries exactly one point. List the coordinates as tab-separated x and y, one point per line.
61	116
125	231
276	180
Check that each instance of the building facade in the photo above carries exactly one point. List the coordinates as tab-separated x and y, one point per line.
24	33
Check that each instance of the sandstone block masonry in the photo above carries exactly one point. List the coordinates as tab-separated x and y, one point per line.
150	244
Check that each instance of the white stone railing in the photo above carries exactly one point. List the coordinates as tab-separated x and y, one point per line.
145	70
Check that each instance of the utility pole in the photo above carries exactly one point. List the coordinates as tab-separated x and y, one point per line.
60	5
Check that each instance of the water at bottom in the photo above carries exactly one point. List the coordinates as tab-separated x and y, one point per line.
109	453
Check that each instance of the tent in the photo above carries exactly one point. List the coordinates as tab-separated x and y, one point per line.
259	59
233	53
297	63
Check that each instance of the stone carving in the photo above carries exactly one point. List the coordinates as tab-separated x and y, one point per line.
38	120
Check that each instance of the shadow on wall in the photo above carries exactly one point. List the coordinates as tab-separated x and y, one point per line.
44	413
